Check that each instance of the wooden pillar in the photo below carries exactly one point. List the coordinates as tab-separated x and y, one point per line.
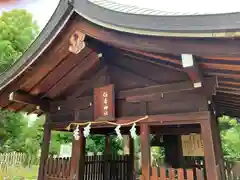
78	158
145	151
213	168
132	155
81	161
108	145
44	151
218	146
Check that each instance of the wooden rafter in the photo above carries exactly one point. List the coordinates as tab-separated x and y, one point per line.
89	83
25	98
78	71
164	89
192	68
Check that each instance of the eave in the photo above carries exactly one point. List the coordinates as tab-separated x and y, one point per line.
198	26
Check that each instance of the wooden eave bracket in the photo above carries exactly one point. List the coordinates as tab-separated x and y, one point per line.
77	42
193	70
25	98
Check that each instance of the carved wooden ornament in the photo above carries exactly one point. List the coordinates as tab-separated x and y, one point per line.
104	103
77	43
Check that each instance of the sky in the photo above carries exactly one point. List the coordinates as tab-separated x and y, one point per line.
42	10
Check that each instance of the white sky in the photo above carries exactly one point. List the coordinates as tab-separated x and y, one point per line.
41	9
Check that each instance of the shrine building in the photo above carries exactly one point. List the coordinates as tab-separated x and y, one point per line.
99	67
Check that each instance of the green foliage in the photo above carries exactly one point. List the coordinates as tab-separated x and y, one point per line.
226	122
96	143
17	31
230	135
33	136
231	143
12	126
58	138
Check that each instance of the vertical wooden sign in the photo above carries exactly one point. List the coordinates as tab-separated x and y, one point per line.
104	103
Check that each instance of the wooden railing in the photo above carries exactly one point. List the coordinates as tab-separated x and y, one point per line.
96	168
57	169
164	173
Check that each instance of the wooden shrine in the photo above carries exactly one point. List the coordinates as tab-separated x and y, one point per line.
92	65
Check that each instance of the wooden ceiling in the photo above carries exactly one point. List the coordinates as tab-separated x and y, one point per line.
57	69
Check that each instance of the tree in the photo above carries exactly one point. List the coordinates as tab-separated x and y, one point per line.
230	135
17	31
12	136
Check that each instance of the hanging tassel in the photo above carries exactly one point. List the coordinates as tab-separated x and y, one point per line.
76	133
133	131
86	131
118	132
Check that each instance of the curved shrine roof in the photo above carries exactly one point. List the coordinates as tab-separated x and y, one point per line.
170	7
160	38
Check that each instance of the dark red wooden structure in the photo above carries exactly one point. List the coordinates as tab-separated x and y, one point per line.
92	64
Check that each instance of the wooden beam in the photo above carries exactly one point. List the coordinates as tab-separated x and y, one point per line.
76	73
159	44
192	68
237	93
162	119
152	60
228	95
213	72
89	83
26	99
166	130
164	89
228	107
227	103
230	86
227	88
146	94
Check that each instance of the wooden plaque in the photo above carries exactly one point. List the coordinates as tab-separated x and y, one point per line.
104	103
192	145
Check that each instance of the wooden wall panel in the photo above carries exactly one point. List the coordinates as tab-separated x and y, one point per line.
185	102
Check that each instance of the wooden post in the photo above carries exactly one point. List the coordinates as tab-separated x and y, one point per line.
78	157
132	155
108	145
211	159
81	167
106	173
145	151
44	151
